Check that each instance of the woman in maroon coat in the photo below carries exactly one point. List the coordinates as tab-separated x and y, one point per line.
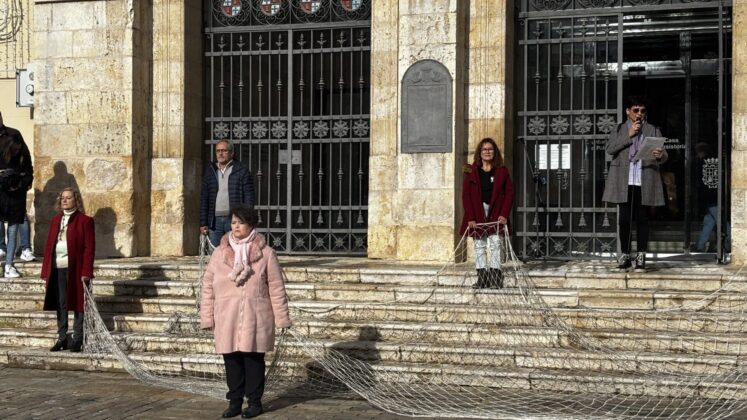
487	198
68	266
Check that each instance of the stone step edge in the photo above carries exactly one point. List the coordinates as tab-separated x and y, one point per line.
30	358
393	346
600	333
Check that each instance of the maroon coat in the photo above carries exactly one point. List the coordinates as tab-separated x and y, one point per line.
81	245
501	199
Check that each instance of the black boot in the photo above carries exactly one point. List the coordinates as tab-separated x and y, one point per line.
59	345
496	278
77	347
482	279
623	263
234	408
252	411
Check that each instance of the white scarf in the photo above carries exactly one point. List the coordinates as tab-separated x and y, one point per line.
242	267
63	224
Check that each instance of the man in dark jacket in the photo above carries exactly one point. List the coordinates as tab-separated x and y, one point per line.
16	177
227	183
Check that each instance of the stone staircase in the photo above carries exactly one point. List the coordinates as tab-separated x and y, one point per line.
369	309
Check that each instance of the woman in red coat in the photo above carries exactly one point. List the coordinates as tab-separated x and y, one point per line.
487	198
68	266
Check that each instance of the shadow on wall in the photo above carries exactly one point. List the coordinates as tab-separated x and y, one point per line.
106	222
45	201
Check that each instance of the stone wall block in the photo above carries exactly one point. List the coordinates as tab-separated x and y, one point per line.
105	139
425	243
383	173
60	43
384	134
120	202
51	108
425	171
424	206
108	174
486	101
446	54
412	7
739	128
380	207
426	29
383	11
74	16
97	107
382	241
86	44
57	140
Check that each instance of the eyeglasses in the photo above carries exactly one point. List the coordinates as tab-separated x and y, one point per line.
222	151
638	110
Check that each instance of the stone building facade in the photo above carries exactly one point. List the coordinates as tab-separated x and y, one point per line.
120	108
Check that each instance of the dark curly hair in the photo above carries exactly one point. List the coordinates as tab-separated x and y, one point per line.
245	214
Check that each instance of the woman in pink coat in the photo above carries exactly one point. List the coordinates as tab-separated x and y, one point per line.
243	300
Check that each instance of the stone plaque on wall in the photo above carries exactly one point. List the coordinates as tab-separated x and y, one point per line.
426	108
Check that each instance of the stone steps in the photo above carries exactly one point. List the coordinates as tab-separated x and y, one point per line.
415	326
402	352
411	374
170	296
436	334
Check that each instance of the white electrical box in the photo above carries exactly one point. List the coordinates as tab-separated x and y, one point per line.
25	87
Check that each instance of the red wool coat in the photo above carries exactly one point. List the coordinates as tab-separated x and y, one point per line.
244	317
81	246
501	199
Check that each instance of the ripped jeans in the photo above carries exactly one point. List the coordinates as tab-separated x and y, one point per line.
492	240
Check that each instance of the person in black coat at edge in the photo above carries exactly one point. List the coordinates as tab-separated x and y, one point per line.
227	183
16	177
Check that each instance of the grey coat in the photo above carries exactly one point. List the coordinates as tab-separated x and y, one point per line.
616	188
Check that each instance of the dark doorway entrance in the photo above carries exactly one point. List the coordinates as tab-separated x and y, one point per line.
288	83
578	61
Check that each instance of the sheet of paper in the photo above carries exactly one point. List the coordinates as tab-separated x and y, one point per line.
647	148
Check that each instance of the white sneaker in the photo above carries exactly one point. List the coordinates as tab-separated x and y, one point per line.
11	272
2	253
27	255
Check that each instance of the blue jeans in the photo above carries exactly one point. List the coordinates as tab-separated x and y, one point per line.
24	230
10	252
222	225
709	223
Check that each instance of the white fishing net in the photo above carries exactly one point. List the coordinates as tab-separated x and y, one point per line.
450	349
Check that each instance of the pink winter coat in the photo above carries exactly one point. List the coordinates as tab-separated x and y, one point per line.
244	317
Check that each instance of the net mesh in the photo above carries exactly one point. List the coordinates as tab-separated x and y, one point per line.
465	344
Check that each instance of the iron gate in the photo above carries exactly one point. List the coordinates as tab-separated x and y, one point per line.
572	69
288	83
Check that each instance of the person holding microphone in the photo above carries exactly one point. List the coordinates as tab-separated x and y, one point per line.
634	184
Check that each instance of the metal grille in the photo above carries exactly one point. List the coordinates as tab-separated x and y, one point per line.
572	71
288	83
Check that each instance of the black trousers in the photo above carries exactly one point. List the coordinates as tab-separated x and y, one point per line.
630	212
59	278
245	375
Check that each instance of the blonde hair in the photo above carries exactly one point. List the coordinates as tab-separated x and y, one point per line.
76	196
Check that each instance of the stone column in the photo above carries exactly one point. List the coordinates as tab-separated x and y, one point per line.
489	75
177	124
92	118
739	135
413	198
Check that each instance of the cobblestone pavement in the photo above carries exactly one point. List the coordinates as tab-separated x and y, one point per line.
46	394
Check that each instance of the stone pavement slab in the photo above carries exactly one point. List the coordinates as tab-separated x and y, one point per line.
45	394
